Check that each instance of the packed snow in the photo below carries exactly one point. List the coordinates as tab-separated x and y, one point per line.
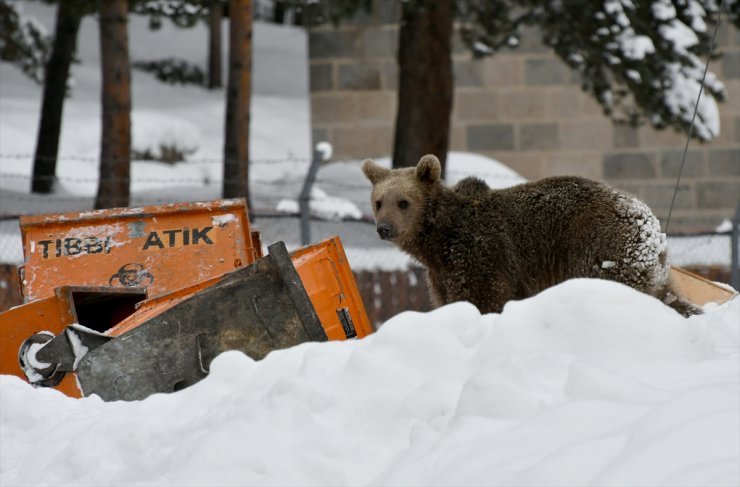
191	119
648	244
324	206
279	137
587	383
185	117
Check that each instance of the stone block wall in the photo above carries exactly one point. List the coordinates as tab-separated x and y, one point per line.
525	108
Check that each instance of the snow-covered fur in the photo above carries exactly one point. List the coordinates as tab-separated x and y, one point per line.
490	246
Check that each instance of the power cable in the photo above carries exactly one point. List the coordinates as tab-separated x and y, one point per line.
693	117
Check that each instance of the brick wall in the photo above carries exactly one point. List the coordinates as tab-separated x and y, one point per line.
525	108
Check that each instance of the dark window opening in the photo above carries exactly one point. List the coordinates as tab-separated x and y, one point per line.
102	310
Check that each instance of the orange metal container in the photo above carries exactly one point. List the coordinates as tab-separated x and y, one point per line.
324	273
114	270
328	279
94	307
161	248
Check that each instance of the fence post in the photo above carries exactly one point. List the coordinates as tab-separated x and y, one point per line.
320	154
734	241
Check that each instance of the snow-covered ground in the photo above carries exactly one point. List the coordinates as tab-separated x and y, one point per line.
192	118
189	117
588	383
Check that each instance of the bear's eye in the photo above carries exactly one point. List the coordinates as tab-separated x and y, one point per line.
378	204
403	204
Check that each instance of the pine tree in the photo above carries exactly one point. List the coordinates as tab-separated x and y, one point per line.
69	16
425	82
215	13
642	61
23	42
238	92
115	151
186	13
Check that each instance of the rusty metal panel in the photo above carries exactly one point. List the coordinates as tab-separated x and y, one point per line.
161	248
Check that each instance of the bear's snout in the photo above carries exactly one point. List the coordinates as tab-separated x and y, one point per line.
385	230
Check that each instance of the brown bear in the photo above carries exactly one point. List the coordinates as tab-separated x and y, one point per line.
490	246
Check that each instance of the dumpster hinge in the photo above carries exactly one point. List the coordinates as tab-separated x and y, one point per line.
346	320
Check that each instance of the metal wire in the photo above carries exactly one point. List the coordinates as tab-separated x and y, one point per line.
693	117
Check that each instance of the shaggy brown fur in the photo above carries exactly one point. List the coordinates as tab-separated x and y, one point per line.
490	246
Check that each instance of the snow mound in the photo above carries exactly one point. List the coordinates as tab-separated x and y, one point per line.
323	206
344	179
152	132
587	383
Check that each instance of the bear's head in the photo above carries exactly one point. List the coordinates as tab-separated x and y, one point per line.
399	197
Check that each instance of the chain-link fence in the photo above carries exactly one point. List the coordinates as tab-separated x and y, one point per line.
389	280
366	251
339	197
339	190
339	205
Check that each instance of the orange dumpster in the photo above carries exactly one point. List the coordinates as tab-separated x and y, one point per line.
324	273
100	275
330	284
38	322
161	248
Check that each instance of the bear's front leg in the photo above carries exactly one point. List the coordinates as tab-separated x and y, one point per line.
489	296
501	293
437	292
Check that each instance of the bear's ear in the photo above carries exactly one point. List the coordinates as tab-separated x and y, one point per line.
374	172
428	170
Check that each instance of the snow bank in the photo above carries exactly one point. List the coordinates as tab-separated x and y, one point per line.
323	205
588	383
187	118
152	131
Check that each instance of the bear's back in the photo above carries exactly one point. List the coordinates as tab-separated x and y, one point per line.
567	226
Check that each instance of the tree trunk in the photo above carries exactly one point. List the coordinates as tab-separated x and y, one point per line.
236	138
278	12
115	152
214	48
69	15
425	86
